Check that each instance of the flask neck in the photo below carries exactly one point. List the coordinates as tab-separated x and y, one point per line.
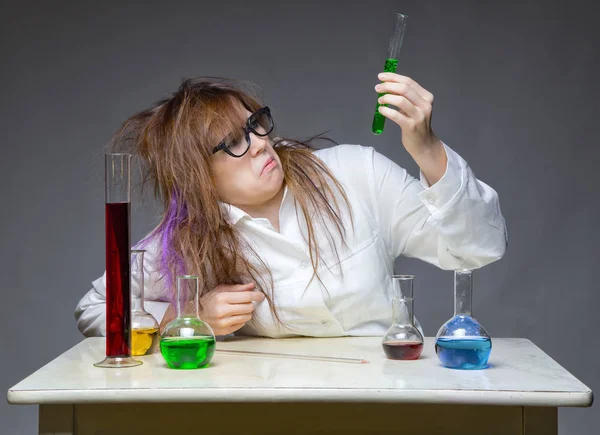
187	296
402	311
137	278
138	303
402	302
463	290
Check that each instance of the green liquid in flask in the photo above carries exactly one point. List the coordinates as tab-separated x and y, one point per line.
187	352
379	119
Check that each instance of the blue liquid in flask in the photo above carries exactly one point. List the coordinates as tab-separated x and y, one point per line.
462	342
465	353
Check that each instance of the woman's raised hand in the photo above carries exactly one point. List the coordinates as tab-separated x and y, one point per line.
414	108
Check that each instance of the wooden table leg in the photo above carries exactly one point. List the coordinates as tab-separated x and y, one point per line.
56	419
540	420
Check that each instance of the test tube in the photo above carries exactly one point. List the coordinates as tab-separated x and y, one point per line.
118	265
391	63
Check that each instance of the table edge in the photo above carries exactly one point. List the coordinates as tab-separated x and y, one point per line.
372	395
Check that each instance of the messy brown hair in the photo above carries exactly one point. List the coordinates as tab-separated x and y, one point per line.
174	139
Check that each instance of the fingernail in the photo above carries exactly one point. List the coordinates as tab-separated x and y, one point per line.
380	100
381	75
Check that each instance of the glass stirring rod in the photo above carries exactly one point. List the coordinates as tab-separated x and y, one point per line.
391	63
293	356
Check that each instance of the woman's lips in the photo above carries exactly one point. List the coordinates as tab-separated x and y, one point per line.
270	164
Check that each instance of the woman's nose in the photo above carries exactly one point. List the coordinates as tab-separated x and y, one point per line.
257	144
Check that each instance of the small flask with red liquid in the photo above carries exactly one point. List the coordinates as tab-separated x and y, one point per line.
403	341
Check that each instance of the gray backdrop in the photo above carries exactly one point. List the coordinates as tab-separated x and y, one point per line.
515	83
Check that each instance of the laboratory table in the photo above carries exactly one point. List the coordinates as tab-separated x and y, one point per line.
519	393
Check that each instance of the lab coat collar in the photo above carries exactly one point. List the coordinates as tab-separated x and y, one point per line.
235	214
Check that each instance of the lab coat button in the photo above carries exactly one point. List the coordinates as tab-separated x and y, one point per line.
430	198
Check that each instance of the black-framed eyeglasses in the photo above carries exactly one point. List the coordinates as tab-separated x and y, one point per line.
260	123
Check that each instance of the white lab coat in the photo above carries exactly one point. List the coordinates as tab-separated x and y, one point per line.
456	223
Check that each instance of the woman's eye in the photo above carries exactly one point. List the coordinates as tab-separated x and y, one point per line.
235	144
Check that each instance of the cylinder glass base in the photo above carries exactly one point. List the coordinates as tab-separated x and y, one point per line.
118	362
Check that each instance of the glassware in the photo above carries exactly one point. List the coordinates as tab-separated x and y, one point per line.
260	123
187	342
391	63
461	342
144	327
403	340
118	267
292	356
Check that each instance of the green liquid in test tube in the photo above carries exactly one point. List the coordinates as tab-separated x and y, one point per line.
391	63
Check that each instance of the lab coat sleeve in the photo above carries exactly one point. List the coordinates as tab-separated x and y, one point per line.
90	312
454	224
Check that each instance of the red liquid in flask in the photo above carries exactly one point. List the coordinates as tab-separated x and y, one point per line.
118	320
403	349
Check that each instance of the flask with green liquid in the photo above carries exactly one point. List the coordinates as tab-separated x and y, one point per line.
391	63
187	342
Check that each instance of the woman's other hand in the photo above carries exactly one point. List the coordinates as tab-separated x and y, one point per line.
226	309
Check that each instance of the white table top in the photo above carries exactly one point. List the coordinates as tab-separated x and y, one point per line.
521	374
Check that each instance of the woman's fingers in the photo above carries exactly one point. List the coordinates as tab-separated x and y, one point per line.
224	310
237	309
402	120
402	103
235	287
404	90
414	103
243	297
397	78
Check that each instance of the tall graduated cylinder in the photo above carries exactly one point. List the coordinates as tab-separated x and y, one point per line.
118	267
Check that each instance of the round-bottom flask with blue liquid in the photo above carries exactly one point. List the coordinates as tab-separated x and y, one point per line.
462	342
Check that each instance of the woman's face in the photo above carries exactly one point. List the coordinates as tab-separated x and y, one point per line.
251	180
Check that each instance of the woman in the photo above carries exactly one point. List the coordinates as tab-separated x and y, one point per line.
288	240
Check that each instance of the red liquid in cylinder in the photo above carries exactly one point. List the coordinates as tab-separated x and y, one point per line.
118	322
